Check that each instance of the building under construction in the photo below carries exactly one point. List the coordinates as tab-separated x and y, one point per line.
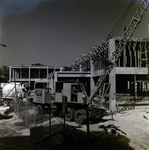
122	63
129	77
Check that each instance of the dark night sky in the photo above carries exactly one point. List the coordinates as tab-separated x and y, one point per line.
56	32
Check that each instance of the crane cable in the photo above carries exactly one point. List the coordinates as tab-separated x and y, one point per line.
116	30
121	20
118	26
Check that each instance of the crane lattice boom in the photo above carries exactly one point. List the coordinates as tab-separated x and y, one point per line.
120	46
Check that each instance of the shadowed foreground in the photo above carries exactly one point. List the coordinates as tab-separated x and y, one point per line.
74	139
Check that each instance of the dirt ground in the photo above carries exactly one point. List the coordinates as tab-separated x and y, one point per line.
135	123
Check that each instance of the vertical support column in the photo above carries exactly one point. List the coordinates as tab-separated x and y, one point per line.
13	74
145	49
130	54
91	78
138	53
135	87
10	74
140	48
39	72
112	93
112	81
47	72
135	56
124	57
20	72
29	74
55	80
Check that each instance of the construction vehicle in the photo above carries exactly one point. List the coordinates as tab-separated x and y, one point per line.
68	96
76	104
12	90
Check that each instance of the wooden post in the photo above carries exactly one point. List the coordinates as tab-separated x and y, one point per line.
50	122
88	130
64	110
26	114
15	99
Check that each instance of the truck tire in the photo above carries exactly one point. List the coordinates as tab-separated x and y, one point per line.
80	116
69	116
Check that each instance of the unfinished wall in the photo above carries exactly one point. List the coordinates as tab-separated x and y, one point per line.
135	54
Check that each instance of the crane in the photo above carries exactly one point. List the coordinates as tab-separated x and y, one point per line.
102	51
119	48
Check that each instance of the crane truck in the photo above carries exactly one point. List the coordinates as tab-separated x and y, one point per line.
112	60
68	96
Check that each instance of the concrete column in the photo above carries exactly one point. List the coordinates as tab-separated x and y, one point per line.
13	74
91	78
47	72
112	92
145	46
134	50
55	80
16	74
29	74
135	87
112	81
10	79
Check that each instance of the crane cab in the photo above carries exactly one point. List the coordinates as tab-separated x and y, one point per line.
71	91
